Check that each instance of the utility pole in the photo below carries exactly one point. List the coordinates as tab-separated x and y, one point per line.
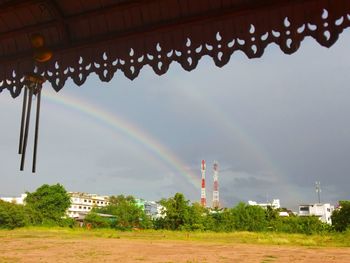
318	191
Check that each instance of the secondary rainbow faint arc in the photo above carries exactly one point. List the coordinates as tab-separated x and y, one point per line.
120	125
257	151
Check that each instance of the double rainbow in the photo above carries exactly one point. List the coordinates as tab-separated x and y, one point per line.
119	125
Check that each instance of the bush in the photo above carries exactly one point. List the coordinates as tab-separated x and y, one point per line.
303	225
249	217
11	215
33	217
127	214
67	222
96	221
341	216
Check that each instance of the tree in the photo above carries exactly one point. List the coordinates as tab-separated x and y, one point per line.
220	220
249	217
271	213
341	216
128	214
196	217
119	199
50	201
176	212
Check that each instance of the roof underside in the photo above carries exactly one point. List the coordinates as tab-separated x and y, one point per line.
108	35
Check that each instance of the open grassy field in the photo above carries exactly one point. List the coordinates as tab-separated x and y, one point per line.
80	245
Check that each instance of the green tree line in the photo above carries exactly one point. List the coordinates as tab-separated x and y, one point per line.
48	205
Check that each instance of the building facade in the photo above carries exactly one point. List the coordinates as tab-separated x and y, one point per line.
82	203
322	211
151	208
275	204
15	200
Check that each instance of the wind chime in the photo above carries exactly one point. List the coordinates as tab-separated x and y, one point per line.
32	88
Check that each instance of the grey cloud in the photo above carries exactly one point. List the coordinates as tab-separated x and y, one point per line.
275	124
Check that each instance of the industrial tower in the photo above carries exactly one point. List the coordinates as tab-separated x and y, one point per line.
216	203
203	195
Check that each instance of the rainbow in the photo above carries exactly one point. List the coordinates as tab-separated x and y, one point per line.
255	150
121	126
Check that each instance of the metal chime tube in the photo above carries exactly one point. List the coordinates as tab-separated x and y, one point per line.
33	83
26	130
36	129
25	121
25	95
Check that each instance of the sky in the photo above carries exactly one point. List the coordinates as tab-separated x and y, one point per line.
276	125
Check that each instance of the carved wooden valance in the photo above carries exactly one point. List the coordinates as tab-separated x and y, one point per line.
104	36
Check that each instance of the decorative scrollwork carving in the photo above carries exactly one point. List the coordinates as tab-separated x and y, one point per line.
250	33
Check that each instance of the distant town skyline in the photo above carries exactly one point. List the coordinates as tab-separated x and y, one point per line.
276	125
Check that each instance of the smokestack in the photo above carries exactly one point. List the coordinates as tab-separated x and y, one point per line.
216	202
203	195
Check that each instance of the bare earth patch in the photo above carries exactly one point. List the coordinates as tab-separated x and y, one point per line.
55	249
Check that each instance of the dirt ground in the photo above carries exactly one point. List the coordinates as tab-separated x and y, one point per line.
126	250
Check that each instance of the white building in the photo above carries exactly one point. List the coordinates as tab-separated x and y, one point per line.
82	203
275	204
154	209
15	200
151	208
283	213
323	211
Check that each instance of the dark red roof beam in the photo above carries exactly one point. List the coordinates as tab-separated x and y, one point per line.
160	26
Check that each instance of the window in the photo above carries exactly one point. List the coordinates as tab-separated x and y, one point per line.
89	208
304	208
85	201
79	207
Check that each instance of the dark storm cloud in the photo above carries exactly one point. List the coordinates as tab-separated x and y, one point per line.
251	182
276	125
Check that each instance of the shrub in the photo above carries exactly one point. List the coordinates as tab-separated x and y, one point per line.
96	221
11	215
249	217
341	216
303	225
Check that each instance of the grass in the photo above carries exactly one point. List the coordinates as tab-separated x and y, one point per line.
269	258
265	238
8	260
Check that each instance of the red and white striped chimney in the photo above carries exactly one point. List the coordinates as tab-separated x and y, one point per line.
203	195
216	202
